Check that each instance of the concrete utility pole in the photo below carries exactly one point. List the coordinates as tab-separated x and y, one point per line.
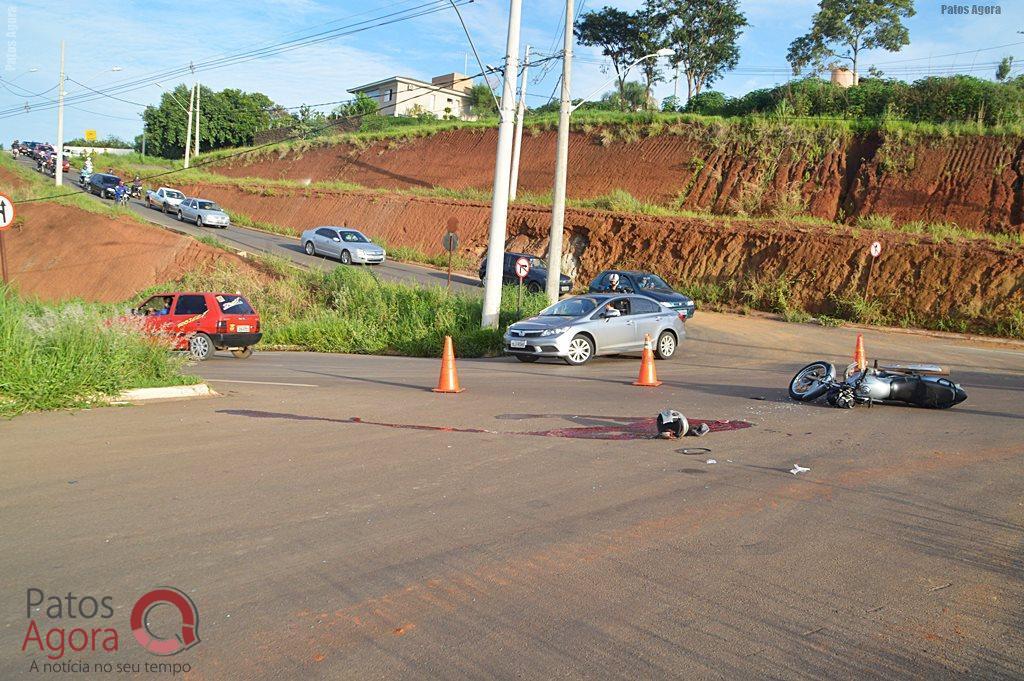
502	170
561	163
188	134
513	185
199	89
58	176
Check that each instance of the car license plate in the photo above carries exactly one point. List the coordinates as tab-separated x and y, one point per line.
517	343
243	328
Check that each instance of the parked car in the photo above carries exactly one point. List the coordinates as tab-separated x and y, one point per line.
203	213
103	185
644	283
536	280
347	244
203	322
581	327
164	199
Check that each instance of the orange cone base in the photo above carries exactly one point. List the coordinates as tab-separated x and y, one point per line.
655	384
438	390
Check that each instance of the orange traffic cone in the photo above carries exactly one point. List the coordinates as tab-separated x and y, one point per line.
648	378
858	354
449	379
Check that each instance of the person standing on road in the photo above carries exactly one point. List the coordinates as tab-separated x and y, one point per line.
119	192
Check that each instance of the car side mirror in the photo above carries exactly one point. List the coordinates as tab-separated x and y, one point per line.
610	313
337	239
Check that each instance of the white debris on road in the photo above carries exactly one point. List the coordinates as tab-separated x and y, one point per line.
797	469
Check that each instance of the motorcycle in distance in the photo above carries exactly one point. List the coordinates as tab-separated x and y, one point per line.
83	178
135	189
922	385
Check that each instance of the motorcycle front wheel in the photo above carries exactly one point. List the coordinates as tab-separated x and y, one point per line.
812	381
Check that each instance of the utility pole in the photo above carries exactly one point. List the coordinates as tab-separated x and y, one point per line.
199	89
188	135
561	163
502	170
58	175
513	185
675	87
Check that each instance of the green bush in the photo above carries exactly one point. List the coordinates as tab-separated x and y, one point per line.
71	355
349	310
949	99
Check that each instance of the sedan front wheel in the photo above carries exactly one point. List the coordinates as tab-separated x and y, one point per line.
581	349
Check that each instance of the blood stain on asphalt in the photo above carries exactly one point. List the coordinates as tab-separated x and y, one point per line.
622	428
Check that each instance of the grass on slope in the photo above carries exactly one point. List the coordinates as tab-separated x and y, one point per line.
70	355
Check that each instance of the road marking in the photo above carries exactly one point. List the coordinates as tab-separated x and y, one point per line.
297	385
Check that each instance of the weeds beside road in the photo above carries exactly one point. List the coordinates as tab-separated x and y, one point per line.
349	310
70	355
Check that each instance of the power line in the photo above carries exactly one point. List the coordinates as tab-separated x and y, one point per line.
423	9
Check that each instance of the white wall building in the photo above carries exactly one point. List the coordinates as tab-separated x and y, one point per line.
446	95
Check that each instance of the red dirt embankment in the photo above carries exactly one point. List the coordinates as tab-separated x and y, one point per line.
57	252
972	180
930	281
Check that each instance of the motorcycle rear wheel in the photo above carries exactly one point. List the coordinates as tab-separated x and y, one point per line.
812	381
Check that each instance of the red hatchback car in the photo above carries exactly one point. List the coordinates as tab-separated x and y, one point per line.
203	322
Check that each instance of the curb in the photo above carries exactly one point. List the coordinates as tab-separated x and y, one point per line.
172	392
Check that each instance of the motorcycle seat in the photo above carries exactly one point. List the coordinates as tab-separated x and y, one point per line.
920	369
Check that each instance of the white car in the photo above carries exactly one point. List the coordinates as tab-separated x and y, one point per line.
165	199
346	244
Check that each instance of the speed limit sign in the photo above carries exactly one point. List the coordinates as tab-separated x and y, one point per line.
876	249
522	267
6	212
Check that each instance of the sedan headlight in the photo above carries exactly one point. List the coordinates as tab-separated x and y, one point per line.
361	252
554	332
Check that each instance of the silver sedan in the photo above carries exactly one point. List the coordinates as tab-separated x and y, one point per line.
346	244
579	328
203	213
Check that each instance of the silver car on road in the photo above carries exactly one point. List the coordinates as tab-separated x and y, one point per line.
203	213
347	244
579	328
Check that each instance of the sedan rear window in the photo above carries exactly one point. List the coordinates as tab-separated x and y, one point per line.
234	305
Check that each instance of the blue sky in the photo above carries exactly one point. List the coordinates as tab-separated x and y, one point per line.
143	38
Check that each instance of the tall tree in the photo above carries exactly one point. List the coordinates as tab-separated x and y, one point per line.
614	32
648	37
704	35
227	118
842	29
1004	68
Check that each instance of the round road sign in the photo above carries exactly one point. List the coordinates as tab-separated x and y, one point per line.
876	249
522	267
6	212
450	241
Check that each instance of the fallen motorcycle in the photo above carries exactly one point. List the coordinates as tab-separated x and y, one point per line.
922	385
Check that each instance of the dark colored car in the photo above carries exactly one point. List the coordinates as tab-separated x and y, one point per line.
536	279
645	284
103	185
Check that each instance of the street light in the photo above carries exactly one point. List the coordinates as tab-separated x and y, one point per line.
562	161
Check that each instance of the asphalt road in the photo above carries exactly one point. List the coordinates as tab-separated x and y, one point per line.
254	241
485	546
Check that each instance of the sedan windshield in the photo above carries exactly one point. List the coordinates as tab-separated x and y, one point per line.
572	307
650	281
208	205
354	238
